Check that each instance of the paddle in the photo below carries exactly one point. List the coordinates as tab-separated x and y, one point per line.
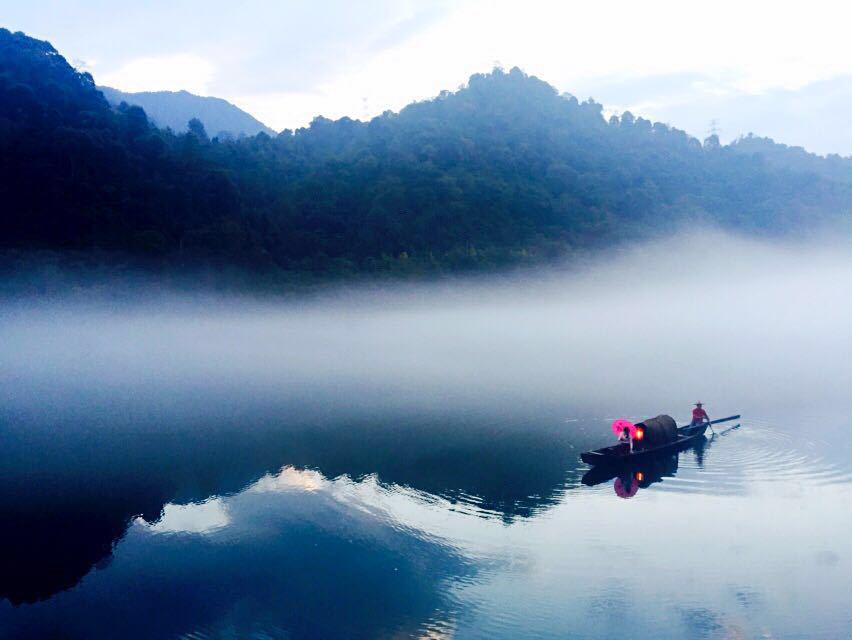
712	422
728	419
717	421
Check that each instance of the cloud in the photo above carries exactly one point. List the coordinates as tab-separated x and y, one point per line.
185	71
196	517
408	27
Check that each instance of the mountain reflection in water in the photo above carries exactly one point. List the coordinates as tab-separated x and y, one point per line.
81	505
293	551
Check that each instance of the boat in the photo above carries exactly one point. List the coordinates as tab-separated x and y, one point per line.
667	438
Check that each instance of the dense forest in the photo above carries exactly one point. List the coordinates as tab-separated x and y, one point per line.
504	170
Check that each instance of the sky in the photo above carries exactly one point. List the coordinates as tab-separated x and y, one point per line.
781	69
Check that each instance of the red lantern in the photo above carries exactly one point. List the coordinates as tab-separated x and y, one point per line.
640	476
640	433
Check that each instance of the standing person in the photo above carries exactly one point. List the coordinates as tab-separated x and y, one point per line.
627	439
699	415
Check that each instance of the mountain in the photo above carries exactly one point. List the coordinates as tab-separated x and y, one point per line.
174	109
503	171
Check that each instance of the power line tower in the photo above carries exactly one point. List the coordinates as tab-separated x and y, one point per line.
712	139
714	129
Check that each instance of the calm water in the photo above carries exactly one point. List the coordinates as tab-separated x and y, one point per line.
407	466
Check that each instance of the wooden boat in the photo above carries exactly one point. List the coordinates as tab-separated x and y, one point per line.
618	454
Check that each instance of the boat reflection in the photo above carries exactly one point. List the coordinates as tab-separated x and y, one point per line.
630	477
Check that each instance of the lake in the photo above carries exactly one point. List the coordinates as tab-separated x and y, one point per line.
404	462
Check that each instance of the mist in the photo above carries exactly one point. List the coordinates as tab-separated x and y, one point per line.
741	325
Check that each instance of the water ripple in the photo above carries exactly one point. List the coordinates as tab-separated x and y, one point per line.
754	453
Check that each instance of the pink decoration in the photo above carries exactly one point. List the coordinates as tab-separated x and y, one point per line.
626	490
618	427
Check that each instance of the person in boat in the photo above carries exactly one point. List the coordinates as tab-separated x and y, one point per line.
699	415
627	439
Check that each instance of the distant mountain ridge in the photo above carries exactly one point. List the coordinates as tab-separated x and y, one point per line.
174	109
503	171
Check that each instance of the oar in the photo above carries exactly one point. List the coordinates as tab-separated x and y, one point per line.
712	422
728	419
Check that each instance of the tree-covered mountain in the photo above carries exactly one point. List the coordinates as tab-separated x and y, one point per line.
500	171
174	109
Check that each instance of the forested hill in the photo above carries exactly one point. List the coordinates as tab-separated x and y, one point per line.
500	171
175	109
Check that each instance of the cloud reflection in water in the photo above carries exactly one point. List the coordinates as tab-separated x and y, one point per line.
293	555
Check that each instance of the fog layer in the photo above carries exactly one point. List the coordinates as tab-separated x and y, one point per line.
743	326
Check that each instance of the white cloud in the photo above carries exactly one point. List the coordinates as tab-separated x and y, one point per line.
292	110
291	479
755	46
162	73
195	517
